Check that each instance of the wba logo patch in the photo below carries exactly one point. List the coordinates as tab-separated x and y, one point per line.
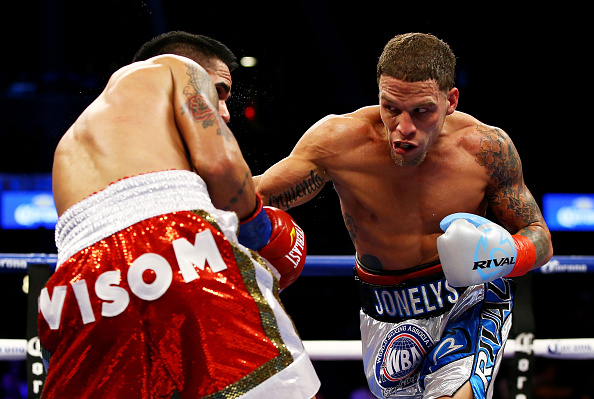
399	359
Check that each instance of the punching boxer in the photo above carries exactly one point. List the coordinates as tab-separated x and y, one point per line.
153	291
436	307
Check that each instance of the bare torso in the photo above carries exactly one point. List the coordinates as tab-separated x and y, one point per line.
393	212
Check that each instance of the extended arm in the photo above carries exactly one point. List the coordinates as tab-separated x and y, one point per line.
299	177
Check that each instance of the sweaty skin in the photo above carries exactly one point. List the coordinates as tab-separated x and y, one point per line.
399	168
155	115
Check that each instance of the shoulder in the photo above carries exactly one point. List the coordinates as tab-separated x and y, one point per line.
476	136
491	147
166	75
334	136
159	67
360	122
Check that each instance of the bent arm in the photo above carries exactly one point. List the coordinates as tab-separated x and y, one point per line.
508	196
213	150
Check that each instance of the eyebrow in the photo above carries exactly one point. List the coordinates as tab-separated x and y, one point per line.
426	104
419	105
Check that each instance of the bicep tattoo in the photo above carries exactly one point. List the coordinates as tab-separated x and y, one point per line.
202	101
507	195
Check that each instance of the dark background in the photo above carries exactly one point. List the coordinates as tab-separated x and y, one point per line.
525	70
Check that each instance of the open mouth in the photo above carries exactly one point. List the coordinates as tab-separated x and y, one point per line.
401	148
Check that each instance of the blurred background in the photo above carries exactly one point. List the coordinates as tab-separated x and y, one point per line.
525	71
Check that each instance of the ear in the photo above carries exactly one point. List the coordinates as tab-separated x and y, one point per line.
452	99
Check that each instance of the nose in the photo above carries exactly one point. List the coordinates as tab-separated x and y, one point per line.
224	111
405	125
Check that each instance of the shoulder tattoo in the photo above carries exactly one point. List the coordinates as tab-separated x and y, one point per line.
498	155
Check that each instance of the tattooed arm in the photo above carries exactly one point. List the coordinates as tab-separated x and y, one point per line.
507	194
291	182
213	151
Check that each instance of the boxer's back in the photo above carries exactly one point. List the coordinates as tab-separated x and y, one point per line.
128	130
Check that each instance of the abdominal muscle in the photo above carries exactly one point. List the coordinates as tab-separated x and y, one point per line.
398	229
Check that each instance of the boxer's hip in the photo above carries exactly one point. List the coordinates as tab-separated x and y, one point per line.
131	200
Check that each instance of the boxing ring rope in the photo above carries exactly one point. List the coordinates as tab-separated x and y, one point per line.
342	265
566	349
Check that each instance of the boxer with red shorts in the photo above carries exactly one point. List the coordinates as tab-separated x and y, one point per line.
159	290
150	271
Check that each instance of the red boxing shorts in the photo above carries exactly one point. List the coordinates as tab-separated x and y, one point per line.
153	294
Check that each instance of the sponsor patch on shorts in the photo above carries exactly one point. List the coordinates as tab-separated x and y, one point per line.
401	356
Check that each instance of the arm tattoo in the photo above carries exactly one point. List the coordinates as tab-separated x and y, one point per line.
308	186
497	155
202	101
507	195
235	198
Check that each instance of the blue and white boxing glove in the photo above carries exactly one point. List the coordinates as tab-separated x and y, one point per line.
474	250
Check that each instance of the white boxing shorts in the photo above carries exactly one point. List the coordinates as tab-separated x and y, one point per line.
153	294
424	339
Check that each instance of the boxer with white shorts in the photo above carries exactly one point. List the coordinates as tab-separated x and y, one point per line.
424	338
415	177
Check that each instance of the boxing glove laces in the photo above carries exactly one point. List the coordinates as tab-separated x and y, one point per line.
474	250
277	238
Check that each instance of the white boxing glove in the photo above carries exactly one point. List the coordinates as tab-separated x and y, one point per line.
474	250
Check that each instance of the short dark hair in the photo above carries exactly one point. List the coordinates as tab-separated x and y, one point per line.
416	57
198	48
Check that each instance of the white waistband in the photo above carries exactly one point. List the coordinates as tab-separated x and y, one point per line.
130	201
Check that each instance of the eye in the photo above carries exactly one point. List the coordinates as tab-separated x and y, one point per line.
223	91
390	109
222	94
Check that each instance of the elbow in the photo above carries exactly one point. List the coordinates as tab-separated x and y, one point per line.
230	171
219	169
549	253
544	250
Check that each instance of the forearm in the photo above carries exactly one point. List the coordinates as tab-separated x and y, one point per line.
230	186
285	188
540	236
474	250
